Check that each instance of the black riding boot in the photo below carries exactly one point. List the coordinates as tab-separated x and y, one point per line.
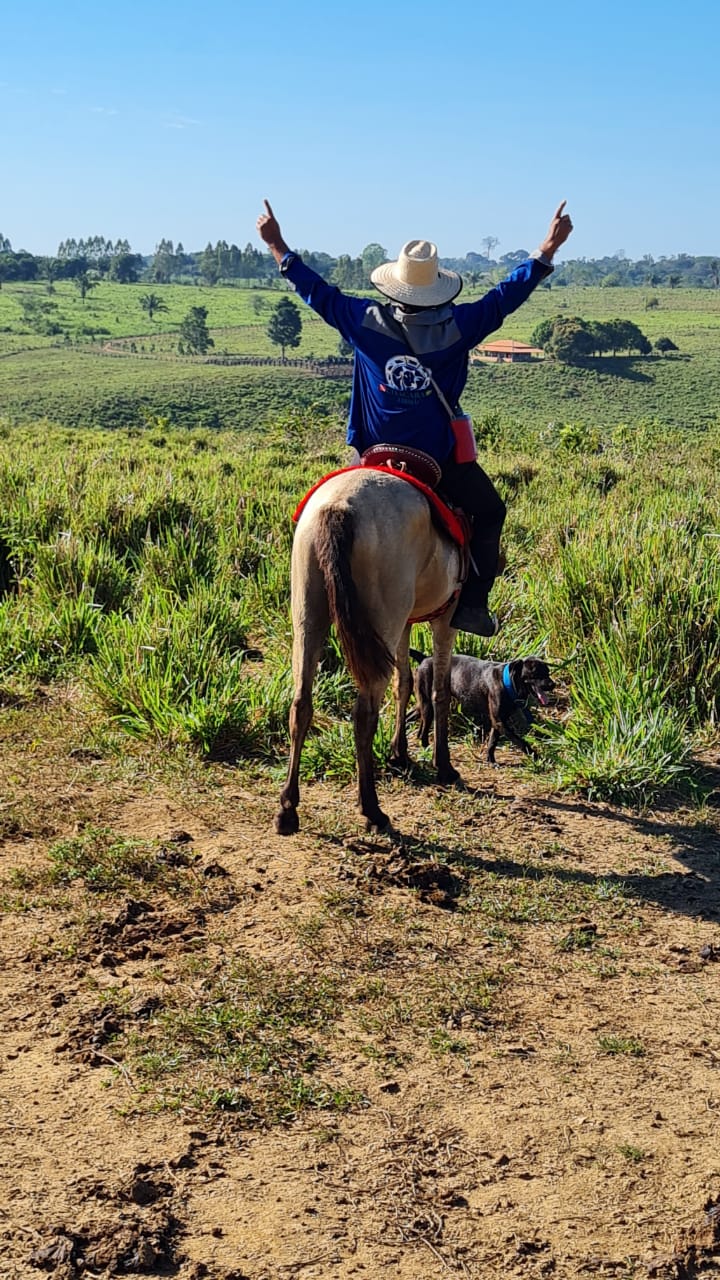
467	485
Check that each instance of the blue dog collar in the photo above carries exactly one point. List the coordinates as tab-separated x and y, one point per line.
514	696
508	684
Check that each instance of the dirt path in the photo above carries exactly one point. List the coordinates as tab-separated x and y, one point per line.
515	1012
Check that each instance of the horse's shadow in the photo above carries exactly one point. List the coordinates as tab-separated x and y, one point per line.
694	892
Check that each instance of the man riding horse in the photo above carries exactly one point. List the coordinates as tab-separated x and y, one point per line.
410	369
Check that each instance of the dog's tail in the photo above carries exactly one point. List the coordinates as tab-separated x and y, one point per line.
417	655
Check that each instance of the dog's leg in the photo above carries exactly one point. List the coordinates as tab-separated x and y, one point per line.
402	685
423	698
426	720
517	740
492	743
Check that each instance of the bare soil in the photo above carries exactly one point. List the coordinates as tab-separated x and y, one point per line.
563	1122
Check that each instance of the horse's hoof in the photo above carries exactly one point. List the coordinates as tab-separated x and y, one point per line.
287	822
380	822
399	764
447	777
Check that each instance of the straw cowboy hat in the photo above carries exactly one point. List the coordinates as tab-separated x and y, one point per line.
416	278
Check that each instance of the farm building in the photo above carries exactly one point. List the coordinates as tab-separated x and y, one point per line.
505	349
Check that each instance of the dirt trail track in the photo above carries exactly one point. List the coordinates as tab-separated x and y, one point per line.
568	1127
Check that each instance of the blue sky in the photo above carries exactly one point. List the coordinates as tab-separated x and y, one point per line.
377	122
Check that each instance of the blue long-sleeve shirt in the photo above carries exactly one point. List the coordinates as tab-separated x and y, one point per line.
393	400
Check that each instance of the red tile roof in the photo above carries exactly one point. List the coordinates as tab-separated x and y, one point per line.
507	346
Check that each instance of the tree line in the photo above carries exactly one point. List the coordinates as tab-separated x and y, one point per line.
570	338
227	263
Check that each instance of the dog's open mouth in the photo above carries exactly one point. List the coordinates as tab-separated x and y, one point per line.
541	697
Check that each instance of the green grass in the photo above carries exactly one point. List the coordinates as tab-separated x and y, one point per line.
252	1044
106	862
622	1046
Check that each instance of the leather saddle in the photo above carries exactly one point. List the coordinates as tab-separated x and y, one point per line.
403	458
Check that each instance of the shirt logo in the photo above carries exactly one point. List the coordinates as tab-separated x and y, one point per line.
406	373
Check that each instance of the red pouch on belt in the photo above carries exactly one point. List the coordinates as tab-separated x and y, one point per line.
465	447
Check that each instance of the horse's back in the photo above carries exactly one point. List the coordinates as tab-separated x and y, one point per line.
385	511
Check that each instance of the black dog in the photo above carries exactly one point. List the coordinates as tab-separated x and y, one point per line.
491	693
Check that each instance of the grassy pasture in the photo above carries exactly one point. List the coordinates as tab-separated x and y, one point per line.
82	388
686	315
85	385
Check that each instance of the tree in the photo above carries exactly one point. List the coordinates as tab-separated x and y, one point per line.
285	325
151	303
542	333
195	339
163	262
126	267
571	339
626	336
663	345
348	273
209	268
513	259
372	256
489	243
84	283
602	337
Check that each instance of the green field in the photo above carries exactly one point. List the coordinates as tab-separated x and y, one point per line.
148	563
112	367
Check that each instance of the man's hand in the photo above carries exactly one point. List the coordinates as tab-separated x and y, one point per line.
269	232
558	232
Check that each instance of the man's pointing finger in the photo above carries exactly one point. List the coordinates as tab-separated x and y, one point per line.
267	206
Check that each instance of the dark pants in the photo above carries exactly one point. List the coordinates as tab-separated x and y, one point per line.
467	486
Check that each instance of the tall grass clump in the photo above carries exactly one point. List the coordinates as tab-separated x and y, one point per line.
627	595
39	644
172	670
624	740
70	567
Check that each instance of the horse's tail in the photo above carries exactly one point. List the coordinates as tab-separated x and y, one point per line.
366	653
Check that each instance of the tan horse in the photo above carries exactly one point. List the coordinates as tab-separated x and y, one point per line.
368	558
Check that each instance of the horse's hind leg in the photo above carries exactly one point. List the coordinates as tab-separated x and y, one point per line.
311	623
365	719
402	687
